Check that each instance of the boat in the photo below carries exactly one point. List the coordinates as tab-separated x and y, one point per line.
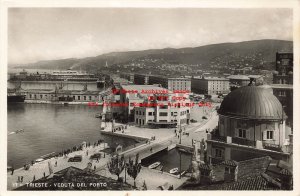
19	131
39	160
48	156
154	165
14	98
174	170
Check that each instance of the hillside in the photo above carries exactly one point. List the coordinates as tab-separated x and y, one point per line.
257	53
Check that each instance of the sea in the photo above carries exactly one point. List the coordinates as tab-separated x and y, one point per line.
51	128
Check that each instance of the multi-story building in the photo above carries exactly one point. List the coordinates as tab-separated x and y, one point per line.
283	82
251	124
141	79
129	96
62	95
162	80
179	84
238	80
163	111
127	76
210	85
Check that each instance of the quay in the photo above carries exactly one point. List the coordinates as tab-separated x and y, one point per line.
165	139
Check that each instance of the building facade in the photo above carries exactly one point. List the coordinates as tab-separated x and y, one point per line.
283	82
62	95
162	111
210	85
154	79
141	79
179	84
251	124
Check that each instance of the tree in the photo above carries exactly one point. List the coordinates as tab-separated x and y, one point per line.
116	165
134	168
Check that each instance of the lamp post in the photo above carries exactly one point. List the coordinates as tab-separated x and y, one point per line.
179	164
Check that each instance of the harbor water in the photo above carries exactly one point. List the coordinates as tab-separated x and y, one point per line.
170	159
51	128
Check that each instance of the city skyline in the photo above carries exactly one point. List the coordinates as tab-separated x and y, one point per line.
36	34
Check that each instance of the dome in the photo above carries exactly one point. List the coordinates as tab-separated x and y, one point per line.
251	102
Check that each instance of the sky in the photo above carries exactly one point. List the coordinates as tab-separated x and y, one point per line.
36	34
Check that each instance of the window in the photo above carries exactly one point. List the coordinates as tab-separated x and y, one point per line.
164	107
229	170
242	133
84	97
30	95
41	96
140	113
163	114
150	113
78	97
282	93
73	97
171	113
136	112
90	98
218	153
136	121
270	135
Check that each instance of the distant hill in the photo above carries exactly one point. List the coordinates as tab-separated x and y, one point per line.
256	52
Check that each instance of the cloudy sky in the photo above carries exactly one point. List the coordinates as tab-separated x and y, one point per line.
53	33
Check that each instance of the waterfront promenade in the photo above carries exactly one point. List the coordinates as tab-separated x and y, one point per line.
153	178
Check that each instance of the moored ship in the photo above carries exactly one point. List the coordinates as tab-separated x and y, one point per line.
13	98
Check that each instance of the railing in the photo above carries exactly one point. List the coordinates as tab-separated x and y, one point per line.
243	141
215	160
273	147
218	138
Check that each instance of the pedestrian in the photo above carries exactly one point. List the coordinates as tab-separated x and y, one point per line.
12	171
19	179
94	167
97	160
87	153
55	163
178	136
33	178
151	149
22	179
44	174
162	169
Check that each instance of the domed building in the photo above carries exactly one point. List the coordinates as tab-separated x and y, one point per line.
251	124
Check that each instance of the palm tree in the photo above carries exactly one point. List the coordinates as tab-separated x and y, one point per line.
116	165
134	168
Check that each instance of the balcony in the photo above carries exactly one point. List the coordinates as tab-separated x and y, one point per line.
218	138
215	160
242	141
273	147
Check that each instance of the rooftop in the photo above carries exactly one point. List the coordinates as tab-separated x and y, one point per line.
139	88
282	86
238	77
250	177
252	102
